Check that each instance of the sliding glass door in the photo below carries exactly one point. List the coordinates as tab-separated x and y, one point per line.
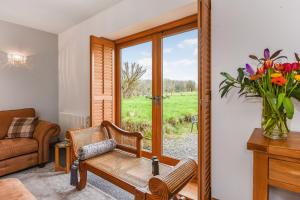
158	92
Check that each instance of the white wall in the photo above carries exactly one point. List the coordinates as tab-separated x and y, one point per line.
36	83
240	28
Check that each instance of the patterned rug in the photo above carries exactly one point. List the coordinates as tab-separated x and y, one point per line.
46	184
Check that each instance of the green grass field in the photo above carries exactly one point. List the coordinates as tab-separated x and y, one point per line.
177	112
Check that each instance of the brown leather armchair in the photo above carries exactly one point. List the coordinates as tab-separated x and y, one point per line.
20	153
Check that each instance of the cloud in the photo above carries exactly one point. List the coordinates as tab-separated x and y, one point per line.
145	53
188	42
146	62
195	51
168	50
182	62
184	69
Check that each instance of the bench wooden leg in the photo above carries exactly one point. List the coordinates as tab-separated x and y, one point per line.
83	177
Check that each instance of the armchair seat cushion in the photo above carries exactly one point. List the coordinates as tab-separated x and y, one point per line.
15	147
127	167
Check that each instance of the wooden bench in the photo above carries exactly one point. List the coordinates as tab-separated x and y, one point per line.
126	168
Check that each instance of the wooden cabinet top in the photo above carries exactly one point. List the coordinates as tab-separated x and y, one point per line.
289	147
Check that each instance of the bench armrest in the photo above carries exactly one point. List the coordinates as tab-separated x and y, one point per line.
126	141
84	136
43	132
166	187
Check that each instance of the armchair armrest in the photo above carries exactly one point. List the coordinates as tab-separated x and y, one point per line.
126	141
43	132
166	187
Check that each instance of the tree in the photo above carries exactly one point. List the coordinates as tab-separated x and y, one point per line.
130	77
190	86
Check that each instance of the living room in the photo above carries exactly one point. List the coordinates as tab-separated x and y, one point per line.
136	99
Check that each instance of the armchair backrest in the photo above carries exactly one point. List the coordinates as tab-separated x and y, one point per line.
7	116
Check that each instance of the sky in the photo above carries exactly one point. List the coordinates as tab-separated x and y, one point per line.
180	56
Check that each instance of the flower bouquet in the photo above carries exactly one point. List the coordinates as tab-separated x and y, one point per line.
275	82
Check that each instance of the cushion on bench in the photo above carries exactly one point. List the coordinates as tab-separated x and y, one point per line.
96	149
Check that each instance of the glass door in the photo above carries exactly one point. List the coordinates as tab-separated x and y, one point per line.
180	97
158	93
136	90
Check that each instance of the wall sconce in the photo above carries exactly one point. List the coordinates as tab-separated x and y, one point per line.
16	59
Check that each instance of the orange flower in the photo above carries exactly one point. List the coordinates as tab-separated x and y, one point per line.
255	77
297	77
261	70
279	81
268	64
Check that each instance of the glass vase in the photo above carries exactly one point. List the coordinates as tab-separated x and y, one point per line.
274	121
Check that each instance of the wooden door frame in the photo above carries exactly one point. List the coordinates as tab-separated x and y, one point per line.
155	35
204	117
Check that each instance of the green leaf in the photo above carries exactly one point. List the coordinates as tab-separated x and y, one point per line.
241	74
274	55
271	99
297	57
228	76
242	88
280	57
225	90
296	93
222	82
253	57
289	107
242	94
280	99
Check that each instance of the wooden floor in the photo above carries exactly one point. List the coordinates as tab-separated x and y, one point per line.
190	190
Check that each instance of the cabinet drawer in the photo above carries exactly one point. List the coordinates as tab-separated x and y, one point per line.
284	171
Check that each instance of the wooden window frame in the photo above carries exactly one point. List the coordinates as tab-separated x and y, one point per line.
154	35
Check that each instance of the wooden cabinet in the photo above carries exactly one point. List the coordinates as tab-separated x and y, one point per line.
275	163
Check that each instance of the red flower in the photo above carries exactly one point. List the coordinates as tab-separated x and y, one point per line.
279	81
279	67
287	67
268	64
295	66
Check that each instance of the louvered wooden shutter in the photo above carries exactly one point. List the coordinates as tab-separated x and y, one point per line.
102	64
204	17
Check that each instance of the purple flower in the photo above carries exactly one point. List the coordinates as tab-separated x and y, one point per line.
267	54
250	70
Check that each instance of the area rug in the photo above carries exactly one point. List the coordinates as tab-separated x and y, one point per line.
46	184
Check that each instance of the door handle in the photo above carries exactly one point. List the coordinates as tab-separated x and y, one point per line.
156	99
